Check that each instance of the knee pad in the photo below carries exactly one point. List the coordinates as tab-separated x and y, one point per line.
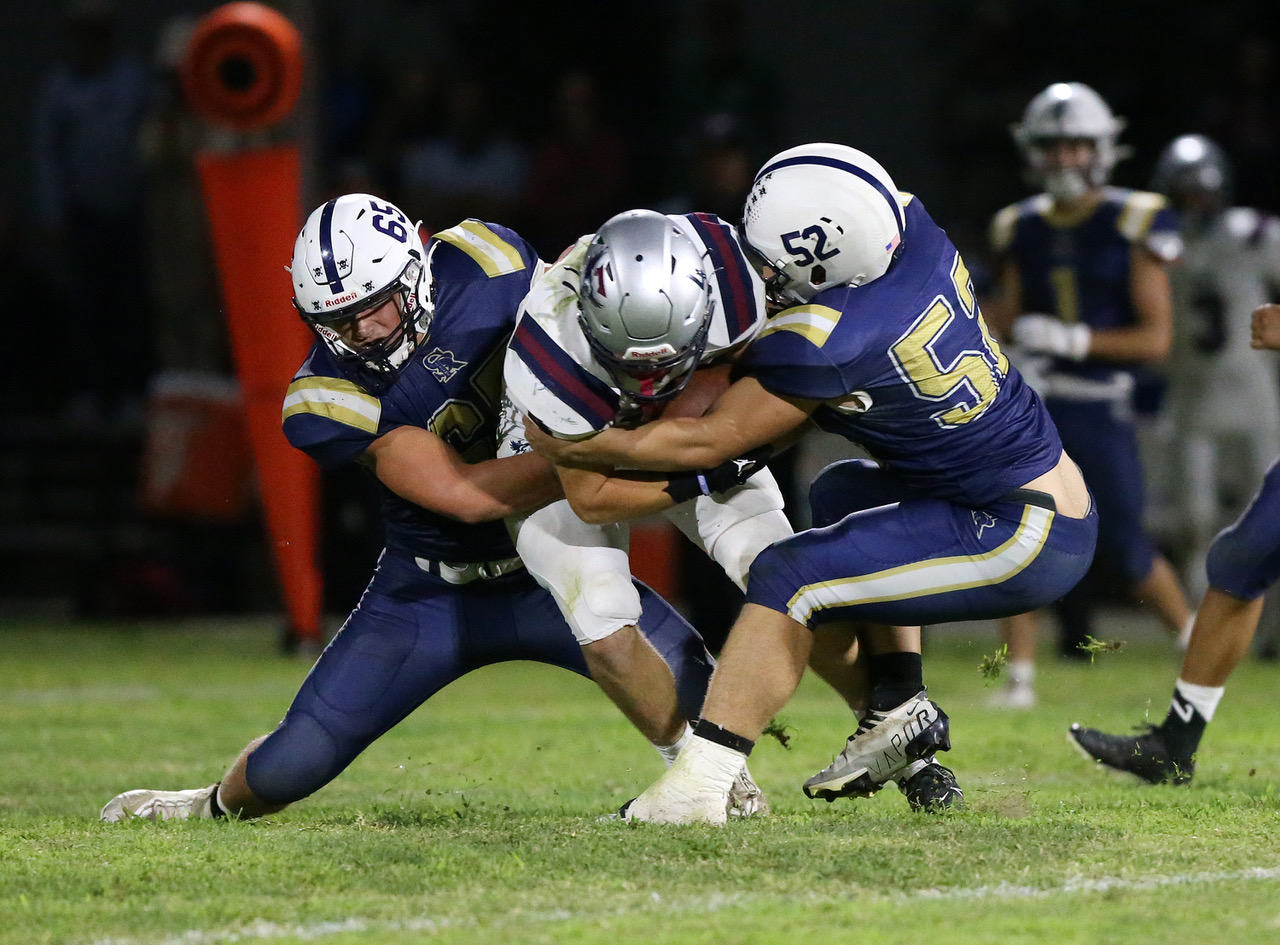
585	567
736	526
296	760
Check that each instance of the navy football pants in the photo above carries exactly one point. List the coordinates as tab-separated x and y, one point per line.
412	634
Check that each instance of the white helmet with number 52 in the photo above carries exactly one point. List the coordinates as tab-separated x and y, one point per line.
822	215
354	253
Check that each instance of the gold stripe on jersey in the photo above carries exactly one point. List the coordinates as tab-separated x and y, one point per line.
1140	209
813	322
334	399
934	576
495	255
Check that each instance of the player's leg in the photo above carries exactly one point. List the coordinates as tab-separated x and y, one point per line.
397	648
587	571
1243	562
1019	634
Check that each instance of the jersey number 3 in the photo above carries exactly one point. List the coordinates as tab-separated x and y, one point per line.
967	384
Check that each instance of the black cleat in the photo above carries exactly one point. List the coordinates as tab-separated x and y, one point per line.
1146	755
930	787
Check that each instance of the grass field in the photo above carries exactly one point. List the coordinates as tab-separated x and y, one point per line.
475	821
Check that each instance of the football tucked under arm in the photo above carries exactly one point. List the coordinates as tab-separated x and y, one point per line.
703	390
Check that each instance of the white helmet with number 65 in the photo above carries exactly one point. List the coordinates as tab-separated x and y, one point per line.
354	253
822	215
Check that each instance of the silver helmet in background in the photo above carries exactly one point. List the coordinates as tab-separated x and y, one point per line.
1194	173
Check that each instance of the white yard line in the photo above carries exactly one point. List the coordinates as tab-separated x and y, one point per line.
262	930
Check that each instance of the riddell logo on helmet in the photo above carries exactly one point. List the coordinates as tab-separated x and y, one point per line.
341	300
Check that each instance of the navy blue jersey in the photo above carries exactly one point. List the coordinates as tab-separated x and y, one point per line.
1079	269
452	386
906	367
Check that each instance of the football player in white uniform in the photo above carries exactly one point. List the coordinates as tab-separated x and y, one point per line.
611	335
1223	392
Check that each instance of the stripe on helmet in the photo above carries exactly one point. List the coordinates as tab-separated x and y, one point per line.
326	249
853	169
733	275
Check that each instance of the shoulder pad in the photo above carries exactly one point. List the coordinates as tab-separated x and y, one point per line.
335	399
1000	234
1138	212
494	249
814	323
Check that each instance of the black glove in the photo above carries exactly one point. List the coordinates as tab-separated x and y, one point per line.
722	478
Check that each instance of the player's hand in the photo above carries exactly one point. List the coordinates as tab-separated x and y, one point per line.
544	444
1266	327
1045	334
734	472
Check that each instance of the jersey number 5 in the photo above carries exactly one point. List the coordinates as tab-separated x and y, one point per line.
967	384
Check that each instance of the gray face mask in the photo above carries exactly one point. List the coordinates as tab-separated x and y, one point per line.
1066	184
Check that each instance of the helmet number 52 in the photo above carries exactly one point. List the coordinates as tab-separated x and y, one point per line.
805	257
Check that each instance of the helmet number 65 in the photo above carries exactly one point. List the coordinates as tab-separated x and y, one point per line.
394	228
804	257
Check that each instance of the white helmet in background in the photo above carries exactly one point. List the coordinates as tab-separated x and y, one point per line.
1069	111
354	253
645	302
822	215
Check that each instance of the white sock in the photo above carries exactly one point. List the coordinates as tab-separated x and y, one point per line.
1204	698
669	752
1021	672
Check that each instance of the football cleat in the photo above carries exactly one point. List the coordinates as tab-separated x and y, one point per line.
160	805
930	787
1145	756
884	744
745	797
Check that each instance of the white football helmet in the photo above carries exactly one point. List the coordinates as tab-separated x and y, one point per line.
1194	173
822	215
1072	111
645	303
354	253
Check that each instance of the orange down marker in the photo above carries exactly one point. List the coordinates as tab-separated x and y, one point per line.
243	70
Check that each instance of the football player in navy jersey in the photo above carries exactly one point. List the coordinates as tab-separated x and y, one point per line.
973	509
405	378
1083	281
1243	562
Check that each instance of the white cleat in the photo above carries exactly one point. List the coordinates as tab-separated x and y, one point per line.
884	744
160	805
746	799
694	790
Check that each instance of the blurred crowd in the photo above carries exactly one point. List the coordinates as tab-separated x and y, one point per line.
548	124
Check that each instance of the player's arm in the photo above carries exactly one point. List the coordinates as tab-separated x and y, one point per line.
1151	338
1000	310
419	466
1266	327
745	417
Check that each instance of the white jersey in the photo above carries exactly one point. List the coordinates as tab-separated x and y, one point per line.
550	370
1219	384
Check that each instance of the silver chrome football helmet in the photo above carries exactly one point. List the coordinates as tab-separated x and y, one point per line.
1194	173
822	215
354	253
645	303
1071	111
